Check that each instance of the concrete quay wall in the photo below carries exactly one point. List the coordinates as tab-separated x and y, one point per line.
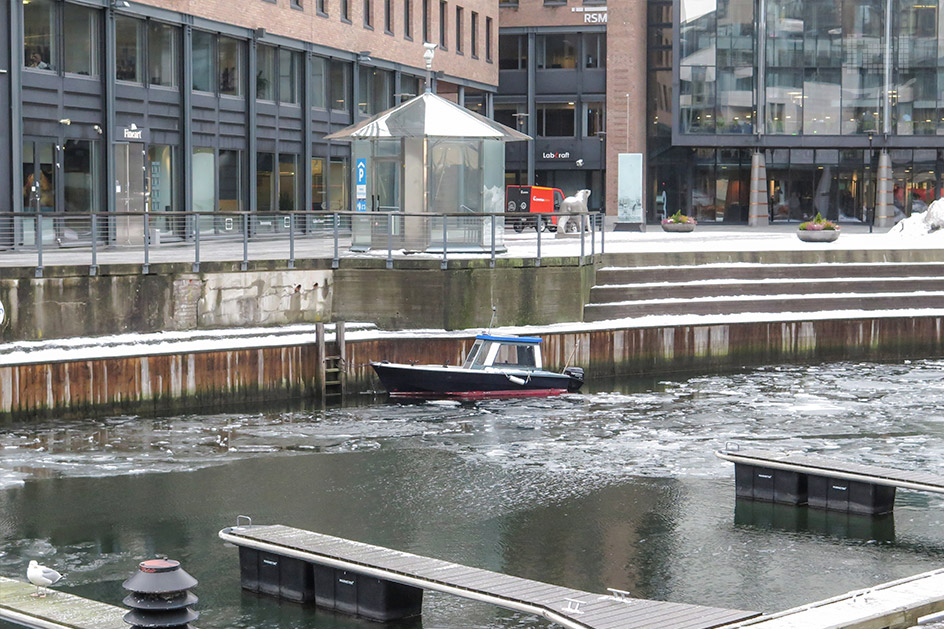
69	302
272	375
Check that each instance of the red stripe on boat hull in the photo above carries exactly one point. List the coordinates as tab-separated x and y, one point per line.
477	395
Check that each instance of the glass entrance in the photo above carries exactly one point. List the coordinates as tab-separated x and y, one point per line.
39	192
130	175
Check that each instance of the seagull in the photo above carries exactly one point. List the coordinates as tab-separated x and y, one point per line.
41	576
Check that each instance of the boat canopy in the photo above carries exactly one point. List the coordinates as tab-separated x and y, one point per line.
509	339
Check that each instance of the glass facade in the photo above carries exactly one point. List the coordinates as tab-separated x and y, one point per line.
820	87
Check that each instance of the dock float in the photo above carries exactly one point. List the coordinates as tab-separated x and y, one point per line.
57	610
384	584
822	483
896	605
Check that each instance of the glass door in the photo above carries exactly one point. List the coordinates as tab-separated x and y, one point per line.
40	177
130	175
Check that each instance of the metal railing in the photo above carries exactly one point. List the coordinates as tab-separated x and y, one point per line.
31	239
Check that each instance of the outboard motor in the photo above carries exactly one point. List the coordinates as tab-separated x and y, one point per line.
576	379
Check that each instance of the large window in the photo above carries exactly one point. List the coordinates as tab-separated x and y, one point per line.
39	29
594	50
163	46
474	35
340	82
408	19
289	76
512	52
231	72
443	40
161	172
594	119
203	61
230	178
318	69
129	46
82	39
266	57
556	51
203	196
375	89
556	120
488	39
459	30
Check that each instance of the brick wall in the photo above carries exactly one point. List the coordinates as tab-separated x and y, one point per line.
281	18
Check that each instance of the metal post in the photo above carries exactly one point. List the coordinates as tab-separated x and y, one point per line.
147	245
602	234
337	222
538	230
582	232
389	241
593	236
38	232
291	240
320	367
245	264
492	263
93	270
196	242
342	354
444	263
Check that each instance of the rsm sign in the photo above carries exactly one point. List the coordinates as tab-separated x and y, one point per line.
591	15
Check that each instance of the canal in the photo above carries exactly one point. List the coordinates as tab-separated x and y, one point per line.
616	487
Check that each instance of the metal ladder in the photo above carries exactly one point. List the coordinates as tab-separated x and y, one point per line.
331	373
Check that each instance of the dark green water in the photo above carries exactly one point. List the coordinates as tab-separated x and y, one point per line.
609	489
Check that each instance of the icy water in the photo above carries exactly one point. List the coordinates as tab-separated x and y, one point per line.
617	487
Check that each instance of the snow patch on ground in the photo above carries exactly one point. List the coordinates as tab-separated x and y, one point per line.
923	224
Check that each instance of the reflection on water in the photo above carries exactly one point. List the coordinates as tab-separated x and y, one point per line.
615	488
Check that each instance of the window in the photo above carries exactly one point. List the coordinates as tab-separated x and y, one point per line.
128	47
488	39
340	82
556	51
203	172
345	11
474	35
512	52
289	75
288	182
297	4
318	82
426	18
594	50
594	119
39	43
202	64
442	24
161	164
317	184
459	15
408	19
388	17
265	182
265	72
321	9
163	43
556	120
230	178
368	14
82	39
231	67
375	90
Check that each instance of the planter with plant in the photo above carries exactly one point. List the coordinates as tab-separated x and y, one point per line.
678	222
818	230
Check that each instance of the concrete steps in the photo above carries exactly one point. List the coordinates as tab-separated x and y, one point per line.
713	289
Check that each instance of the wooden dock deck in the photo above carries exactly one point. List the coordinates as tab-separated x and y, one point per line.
807	464
568	607
57	610
895	605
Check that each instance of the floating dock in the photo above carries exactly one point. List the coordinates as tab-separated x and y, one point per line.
822	483
895	605
56	610
385	584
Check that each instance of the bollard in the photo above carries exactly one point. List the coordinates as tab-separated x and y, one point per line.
160	596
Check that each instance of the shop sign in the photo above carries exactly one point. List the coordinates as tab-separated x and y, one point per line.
132	134
555	155
592	15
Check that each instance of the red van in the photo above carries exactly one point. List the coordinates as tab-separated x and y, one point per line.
532	200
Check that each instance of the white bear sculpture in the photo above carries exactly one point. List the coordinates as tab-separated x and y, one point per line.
575	203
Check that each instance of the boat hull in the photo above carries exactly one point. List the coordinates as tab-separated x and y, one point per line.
425	381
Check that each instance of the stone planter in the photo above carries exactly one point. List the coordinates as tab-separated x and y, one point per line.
822	235
678	227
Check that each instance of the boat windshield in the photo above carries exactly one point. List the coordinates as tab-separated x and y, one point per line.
476	356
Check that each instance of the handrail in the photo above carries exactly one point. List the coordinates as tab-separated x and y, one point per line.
148	238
